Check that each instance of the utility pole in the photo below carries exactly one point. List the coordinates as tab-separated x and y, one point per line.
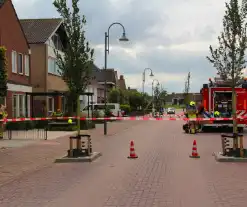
187	88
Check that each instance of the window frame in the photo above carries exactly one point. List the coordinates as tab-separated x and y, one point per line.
57	43
14	61
55	69
53	104
16	112
18	65
22	109
27	65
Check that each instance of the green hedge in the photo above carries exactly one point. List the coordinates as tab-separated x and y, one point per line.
63	128
26	125
73	127
29	125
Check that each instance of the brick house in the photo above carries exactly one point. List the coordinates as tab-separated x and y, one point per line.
43	36
111	77
93	87
18	55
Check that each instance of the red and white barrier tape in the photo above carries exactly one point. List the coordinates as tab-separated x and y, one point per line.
140	118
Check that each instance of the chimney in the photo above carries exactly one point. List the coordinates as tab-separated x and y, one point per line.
121	77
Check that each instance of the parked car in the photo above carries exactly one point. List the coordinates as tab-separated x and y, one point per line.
170	111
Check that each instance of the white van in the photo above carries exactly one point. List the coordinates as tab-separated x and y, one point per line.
114	108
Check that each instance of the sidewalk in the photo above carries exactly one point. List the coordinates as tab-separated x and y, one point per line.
18	162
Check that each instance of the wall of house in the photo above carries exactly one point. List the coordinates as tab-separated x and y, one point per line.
90	89
38	64
54	81
12	37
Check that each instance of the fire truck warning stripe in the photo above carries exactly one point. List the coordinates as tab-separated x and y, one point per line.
140	118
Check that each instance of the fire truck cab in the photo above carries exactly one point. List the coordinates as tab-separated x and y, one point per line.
217	96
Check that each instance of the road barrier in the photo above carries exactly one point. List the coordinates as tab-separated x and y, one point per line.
140	118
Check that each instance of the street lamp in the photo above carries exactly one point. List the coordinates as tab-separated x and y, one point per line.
153	93
143	82
107	40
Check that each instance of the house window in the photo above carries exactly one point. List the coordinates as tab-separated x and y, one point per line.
50	65
28	105
50	104
14	62
57	42
20	63
27	65
15	106
53	67
22	105
19	105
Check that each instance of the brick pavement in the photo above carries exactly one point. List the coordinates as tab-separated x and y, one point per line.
163	175
15	162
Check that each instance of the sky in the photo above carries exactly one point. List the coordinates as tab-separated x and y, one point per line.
170	37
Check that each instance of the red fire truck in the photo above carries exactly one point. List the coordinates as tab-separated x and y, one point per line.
217	96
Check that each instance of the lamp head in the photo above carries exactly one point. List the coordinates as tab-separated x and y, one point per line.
124	38
151	75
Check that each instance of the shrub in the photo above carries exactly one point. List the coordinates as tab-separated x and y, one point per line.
22	125
96	114
108	112
63	128
73	127
3	73
126	108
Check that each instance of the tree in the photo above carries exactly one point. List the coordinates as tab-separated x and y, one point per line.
77	61
158	98
114	96
118	96
123	96
229	57
3	74
135	99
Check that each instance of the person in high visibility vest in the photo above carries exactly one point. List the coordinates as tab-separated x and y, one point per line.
192	113
216	114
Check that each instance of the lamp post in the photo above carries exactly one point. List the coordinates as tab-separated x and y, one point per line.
107	40
143	83
153	93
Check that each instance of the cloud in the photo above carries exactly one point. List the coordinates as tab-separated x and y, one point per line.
171	37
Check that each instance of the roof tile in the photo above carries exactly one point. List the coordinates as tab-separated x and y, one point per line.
39	30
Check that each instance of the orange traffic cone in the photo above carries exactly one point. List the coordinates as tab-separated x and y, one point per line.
194	151
132	151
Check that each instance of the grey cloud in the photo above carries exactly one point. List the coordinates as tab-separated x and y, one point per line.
139	18
173	63
207	33
168	61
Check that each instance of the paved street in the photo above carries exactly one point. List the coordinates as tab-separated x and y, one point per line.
163	175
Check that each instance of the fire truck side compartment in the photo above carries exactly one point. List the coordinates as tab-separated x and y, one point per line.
220	98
